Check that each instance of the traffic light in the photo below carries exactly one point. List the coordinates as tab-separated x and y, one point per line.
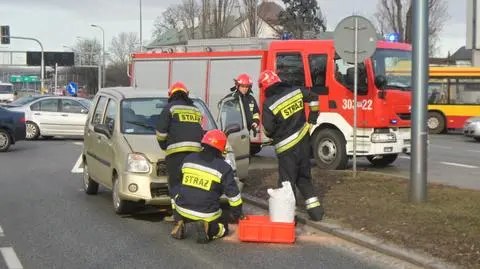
5	34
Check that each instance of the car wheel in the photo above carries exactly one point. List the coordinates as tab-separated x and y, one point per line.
5	140
32	131
90	186
120	206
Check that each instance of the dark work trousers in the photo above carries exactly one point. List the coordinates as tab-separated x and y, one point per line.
294	166
214	227
174	170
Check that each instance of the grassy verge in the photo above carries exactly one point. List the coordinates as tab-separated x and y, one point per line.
448	226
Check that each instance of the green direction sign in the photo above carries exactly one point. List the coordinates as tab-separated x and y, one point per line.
24	79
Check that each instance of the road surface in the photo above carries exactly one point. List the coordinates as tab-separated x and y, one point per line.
48	222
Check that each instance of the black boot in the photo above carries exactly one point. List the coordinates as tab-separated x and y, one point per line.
202	232
316	213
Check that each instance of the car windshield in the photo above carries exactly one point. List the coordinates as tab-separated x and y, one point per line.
25	100
140	115
396	66
6	88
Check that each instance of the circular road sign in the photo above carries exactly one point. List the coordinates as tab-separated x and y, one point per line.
344	39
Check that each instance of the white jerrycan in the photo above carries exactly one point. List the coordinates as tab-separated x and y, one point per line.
281	203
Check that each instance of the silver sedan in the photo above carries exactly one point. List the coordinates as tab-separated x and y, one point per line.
472	128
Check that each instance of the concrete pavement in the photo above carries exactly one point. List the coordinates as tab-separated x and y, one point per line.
452	159
49	222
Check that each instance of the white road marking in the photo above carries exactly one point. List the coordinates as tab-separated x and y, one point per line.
11	258
471	150
77	168
78	143
1	232
459	165
440	147
403	157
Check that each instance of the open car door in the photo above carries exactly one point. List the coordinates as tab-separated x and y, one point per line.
232	117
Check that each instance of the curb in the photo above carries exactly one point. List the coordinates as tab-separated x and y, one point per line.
376	244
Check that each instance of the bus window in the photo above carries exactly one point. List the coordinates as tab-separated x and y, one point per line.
468	91
438	91
290	68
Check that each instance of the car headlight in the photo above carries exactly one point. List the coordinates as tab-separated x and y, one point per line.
137	163
383	138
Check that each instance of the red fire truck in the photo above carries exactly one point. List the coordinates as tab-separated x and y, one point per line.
209	66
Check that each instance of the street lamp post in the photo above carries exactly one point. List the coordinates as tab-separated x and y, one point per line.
101	78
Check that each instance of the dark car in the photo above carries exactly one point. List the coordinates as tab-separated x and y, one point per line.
12	128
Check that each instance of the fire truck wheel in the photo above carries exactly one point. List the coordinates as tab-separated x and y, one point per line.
255	148
435	122
382	160
329	149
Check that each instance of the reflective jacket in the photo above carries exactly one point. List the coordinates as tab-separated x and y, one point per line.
250	106
283	117
179	128
204	179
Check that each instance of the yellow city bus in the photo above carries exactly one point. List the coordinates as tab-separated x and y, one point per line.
453	97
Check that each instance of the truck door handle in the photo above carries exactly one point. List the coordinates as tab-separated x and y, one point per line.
64	115
37	114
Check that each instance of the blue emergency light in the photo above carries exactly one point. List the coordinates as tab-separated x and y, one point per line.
286	36
392	37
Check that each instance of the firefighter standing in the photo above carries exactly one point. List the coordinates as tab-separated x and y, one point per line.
285	122
243	90
205	177
179	132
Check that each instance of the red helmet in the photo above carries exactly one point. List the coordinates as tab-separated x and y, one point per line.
177	86
267	78
244	79
216	139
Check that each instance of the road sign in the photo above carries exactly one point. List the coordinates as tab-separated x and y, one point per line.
51	58
72	88
344	38
355	40
24	79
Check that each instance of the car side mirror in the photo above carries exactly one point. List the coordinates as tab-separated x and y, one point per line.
84	111
381	83
232	128
102	129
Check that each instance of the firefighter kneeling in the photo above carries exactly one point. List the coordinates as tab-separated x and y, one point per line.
205	177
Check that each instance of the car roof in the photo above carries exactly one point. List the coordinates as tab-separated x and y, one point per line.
136	92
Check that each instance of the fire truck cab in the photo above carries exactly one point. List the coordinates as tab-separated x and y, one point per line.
383	124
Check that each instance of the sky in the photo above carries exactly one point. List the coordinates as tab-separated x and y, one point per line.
60	23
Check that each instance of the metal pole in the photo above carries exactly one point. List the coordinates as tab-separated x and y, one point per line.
141	38
42	63
56	77
355	89
418	161
103	54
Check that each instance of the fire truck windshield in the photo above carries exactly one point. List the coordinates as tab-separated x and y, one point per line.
396	66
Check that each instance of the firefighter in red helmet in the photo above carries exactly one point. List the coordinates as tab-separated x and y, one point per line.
243	90
285	122
179	132
205	177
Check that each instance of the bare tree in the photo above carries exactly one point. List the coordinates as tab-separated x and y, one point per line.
122	46
169	20
250	12
87	51
397	16
216	18
120	49
190	11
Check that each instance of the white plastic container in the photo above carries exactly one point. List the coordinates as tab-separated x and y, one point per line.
281	203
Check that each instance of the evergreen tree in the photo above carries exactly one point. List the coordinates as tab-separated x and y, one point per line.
302	18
